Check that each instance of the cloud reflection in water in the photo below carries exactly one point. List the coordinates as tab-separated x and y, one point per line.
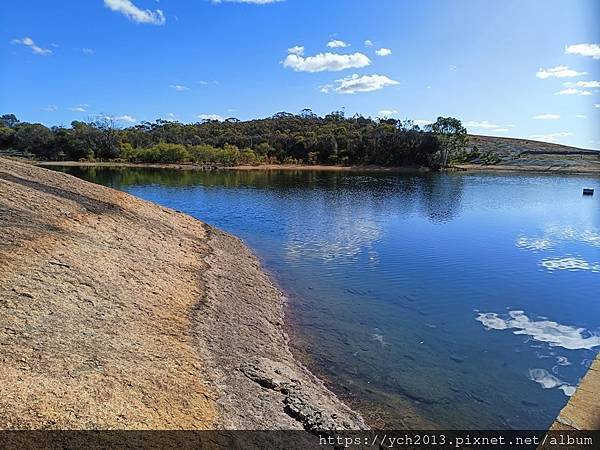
553	333
549	381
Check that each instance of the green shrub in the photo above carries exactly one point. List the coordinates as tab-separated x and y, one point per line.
229	155
159	153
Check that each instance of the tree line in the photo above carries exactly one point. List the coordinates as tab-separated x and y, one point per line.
303	138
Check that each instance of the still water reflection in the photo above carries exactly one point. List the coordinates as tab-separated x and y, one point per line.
455	301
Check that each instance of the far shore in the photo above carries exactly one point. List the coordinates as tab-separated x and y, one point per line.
565	170
208	166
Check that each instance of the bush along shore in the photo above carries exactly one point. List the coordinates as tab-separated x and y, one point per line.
285	138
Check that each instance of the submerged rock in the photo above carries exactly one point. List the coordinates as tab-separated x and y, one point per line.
299	403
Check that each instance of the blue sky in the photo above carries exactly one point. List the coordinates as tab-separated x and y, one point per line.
520	68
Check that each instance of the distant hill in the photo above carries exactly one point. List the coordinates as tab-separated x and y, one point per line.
525	154
512	146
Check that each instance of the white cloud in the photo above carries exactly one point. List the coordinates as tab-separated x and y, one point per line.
82	107
551	137
28	42
211	117
126	118
179	87
596	105
365	83
322	62
326	88
296	50
485	125
87	51
422	122
546	117
573	91
383	52
51	108
369	43
336	43
558	72
583	84
135	14
387	113
592	50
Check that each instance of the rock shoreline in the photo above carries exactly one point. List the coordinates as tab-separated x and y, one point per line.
116	313
266	386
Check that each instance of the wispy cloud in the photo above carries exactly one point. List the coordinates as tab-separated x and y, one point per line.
573	91
383	52
87	51
546	117
135	14
369	43
591	50
322	62
487	126
583	84
28	42
179	87
82	107
126	118
558	72
551	137
365	83
51	108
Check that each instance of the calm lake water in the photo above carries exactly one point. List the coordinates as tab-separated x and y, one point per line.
446	300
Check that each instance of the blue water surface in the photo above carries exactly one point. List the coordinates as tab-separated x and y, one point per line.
425	300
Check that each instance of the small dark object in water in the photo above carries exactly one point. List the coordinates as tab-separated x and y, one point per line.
530	404
588	191
456	359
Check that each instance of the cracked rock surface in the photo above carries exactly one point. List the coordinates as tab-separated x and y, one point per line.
239	329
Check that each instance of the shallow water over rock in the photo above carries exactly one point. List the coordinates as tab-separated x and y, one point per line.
449	300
